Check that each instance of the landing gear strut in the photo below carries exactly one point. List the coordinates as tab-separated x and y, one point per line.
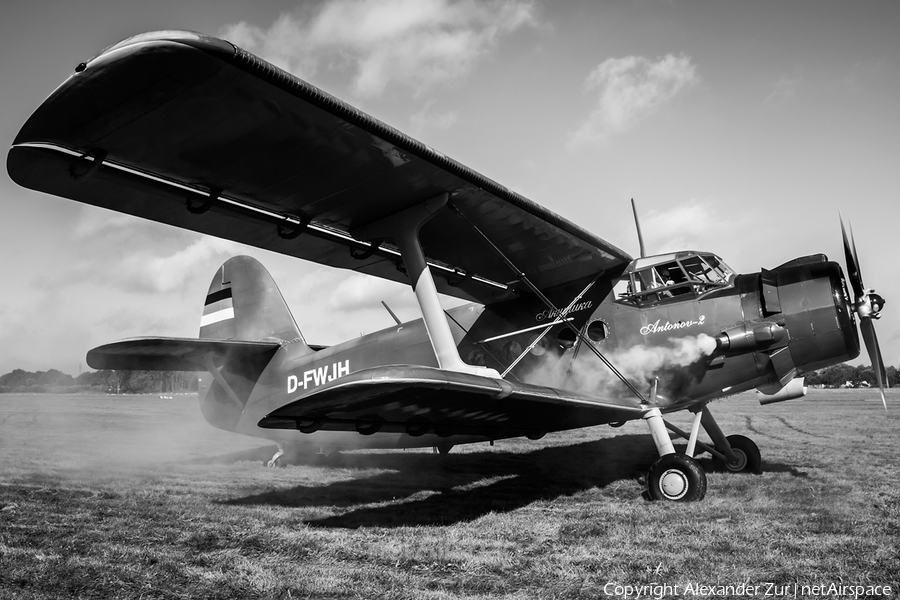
734	453
676	477
679	477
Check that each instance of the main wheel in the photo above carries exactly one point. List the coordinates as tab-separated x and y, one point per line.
748	456
678	478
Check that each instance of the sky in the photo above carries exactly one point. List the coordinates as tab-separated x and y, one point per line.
741	128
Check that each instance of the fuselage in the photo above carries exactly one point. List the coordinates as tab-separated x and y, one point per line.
682	325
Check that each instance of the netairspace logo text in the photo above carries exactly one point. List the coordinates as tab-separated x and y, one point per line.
658	591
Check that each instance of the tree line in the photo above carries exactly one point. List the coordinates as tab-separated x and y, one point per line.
105	382
162	382
847	376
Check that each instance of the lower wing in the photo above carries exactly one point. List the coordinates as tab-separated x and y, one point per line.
418	400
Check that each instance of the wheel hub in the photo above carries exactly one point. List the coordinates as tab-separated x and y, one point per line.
674	484
740	462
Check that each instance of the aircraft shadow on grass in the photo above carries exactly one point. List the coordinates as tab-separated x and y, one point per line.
463	487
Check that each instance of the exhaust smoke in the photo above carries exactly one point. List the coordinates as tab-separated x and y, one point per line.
585	373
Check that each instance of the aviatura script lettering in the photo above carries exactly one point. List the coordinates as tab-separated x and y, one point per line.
552	314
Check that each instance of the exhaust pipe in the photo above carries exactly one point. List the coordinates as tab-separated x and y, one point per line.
795	389
750	337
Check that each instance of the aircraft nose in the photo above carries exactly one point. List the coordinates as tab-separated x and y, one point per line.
817	313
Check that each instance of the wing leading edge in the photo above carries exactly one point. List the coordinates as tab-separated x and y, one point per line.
191	131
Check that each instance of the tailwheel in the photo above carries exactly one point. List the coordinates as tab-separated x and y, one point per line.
678	478
749	459
273	462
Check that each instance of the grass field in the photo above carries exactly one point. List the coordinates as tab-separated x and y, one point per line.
137	497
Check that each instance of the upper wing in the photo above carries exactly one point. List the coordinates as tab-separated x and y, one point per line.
192	131
419	400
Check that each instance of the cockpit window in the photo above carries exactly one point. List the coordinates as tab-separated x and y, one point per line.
675	276
706	269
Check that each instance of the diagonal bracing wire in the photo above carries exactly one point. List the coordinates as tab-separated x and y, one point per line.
524	279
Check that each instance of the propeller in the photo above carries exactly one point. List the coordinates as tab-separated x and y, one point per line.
867	305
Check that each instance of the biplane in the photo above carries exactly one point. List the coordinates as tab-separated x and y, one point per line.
561	329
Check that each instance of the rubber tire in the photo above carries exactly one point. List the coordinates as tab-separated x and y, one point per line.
747	450
676	478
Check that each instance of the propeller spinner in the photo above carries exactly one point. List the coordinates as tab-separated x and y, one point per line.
868	307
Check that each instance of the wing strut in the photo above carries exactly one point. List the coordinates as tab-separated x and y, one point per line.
403	227
549	304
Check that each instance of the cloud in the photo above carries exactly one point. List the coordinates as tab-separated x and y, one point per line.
172	271
430	119
159	258
690	225
419	43
738	237
355	291
629	90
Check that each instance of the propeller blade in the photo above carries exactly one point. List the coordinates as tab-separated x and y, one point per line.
874	350
856	257
852	264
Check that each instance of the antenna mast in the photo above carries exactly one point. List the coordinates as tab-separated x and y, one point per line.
637	225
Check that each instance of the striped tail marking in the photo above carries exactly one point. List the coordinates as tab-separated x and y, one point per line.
219	307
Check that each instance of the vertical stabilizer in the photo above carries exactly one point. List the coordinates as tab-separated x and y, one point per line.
243	303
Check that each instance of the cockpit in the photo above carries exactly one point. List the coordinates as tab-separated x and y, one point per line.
671	277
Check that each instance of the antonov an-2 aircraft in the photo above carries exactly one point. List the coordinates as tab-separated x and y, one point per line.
192	131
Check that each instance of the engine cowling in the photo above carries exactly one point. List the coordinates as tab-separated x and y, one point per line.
806	320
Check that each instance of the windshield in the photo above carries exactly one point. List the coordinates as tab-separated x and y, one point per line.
682	275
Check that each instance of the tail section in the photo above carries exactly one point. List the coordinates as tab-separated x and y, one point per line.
245	324
243	303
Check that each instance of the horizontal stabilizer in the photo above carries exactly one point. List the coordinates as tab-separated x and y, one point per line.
174	354
395	398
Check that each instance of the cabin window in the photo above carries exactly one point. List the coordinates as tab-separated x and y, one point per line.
683	275
706	272
597	331
566	338
658	283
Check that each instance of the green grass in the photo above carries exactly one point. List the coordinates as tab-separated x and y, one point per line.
137	497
